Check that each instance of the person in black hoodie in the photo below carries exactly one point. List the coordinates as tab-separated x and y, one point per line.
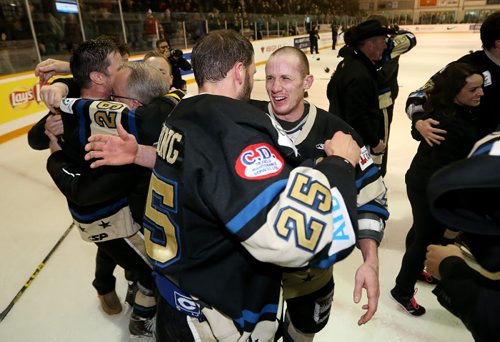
456	92
462	195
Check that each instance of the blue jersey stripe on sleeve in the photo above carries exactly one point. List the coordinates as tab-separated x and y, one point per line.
80	107
368	174
370	208
256	206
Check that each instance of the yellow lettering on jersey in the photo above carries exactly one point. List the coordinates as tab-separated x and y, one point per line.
316	197
313	194
109	105
160	202
105	119
306	236
166	145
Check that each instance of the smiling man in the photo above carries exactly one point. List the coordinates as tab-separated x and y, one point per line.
226	209
311	291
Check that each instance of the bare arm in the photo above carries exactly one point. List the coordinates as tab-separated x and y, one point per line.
367	278
51	67
124	149
52	95
119	150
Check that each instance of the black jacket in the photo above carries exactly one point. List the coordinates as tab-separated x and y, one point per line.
487	112
464	195
353	95
461	136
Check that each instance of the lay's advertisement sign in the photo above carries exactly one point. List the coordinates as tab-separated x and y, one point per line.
19	97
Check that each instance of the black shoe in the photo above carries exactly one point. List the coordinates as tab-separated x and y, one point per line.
131	291
141	326
427	278
409	304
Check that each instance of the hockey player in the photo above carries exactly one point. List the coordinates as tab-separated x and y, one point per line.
52	94
108	212
226	210
460	196
104	280
136	85
307	292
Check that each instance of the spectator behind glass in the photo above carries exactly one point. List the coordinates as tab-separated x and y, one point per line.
177	62
163	47
152	28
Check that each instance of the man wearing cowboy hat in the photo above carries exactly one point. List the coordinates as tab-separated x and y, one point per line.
353	91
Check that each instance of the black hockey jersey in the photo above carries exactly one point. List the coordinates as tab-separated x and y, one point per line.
400	44
225	209
372	193
107	202
83	118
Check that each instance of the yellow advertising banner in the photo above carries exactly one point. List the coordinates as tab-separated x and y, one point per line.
19	97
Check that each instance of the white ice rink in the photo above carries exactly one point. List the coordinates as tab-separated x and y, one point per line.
61	304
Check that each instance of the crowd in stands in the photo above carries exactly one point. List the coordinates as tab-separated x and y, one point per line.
249	6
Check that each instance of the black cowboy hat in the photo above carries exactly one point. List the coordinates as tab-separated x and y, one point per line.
366	29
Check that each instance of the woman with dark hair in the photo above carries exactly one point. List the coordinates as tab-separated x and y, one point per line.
456	91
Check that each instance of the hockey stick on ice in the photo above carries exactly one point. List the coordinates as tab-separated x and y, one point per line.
33	276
